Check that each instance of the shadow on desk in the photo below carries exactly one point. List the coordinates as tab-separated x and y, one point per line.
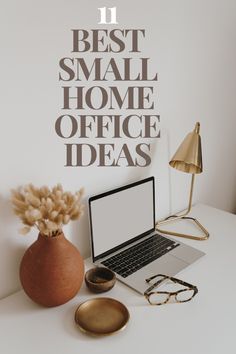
70	326
14	307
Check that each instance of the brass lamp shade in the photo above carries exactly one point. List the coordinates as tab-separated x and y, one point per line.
188	157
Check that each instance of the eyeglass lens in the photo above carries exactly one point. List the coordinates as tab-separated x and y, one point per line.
158	298
184	295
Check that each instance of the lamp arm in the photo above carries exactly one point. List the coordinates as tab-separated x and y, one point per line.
179	216
191	194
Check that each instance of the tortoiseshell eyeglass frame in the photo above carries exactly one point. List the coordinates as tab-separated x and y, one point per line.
149	291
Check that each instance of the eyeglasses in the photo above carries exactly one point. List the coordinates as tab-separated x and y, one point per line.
162	297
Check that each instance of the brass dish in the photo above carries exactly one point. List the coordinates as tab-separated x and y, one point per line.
101	316
100	279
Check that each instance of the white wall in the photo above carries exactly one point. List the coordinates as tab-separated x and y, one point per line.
192	46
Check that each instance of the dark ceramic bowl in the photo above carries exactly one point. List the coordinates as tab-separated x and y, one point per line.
100	279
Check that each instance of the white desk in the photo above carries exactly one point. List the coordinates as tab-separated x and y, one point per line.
206	325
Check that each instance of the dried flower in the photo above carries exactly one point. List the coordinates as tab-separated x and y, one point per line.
46	209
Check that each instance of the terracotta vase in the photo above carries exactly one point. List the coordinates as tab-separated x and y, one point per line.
51	270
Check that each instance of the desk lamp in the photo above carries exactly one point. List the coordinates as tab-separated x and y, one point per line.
188	159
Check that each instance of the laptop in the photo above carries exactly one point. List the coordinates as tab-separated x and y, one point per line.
123	236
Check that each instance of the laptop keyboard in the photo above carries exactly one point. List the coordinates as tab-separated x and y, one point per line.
136	257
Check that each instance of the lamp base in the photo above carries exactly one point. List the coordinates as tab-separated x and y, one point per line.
172	218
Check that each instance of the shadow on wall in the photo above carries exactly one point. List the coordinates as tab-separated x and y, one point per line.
79	232
11	248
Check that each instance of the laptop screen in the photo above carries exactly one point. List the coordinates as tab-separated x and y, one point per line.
120	216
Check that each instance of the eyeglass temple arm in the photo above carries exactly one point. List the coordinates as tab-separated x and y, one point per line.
153	286
157	275
164	277
175	280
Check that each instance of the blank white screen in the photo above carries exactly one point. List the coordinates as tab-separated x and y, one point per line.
119	217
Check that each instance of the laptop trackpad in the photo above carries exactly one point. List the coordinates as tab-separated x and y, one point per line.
168	265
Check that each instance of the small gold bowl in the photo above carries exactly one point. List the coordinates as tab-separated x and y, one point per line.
100	279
